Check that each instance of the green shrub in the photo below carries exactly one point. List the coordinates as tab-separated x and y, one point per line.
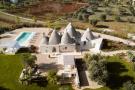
97	68
52	77
132	10
85	17
129	85
108	11
130	19
93	22
122	10
79	17
103	17
117	18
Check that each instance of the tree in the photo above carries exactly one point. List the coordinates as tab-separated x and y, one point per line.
34	19
98	71
117	18
122	10
29	60
33	49
129	85
131	56
108	11
130	19
85	17
87	58
52	77
132	10
103	17
18	20
93	22
97	68
92	1
79	17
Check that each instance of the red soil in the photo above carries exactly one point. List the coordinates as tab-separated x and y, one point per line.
54	7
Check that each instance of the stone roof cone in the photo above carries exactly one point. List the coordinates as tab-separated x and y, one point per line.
66	39
87	36
54	38
71	30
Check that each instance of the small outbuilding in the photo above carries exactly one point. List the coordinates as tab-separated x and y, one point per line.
9	47
68	72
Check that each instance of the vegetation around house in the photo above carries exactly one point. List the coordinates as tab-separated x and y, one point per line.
97	68
52	77
120	73
113	46
11	67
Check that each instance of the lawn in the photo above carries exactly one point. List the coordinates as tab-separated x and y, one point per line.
120	71
10	69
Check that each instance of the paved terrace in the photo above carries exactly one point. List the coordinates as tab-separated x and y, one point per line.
34	41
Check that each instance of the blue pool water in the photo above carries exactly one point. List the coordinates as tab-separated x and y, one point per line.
23	37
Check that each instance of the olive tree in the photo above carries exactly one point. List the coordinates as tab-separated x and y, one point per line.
93	22
52	77
28	59
129	85
97	68
103	17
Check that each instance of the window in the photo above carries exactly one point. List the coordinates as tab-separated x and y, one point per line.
73	75
84	43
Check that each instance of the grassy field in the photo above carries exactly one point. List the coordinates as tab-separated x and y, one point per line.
5	24
120	71
10	69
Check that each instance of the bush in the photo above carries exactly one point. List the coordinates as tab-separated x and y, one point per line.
79	17
117	18
85	17
24	50
103	17
132	10
93	22
83	10
130	20
122	11
20	25
52	77
108	11
129	85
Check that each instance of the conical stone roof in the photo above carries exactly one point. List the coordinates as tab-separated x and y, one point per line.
66	39
71	30
54	38
45	40
87	36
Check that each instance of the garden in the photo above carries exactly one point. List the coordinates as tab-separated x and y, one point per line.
10	69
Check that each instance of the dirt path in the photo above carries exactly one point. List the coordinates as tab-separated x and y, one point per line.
113	38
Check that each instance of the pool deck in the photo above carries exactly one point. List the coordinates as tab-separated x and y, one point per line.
34	41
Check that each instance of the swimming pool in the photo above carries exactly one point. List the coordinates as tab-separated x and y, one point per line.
24	38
